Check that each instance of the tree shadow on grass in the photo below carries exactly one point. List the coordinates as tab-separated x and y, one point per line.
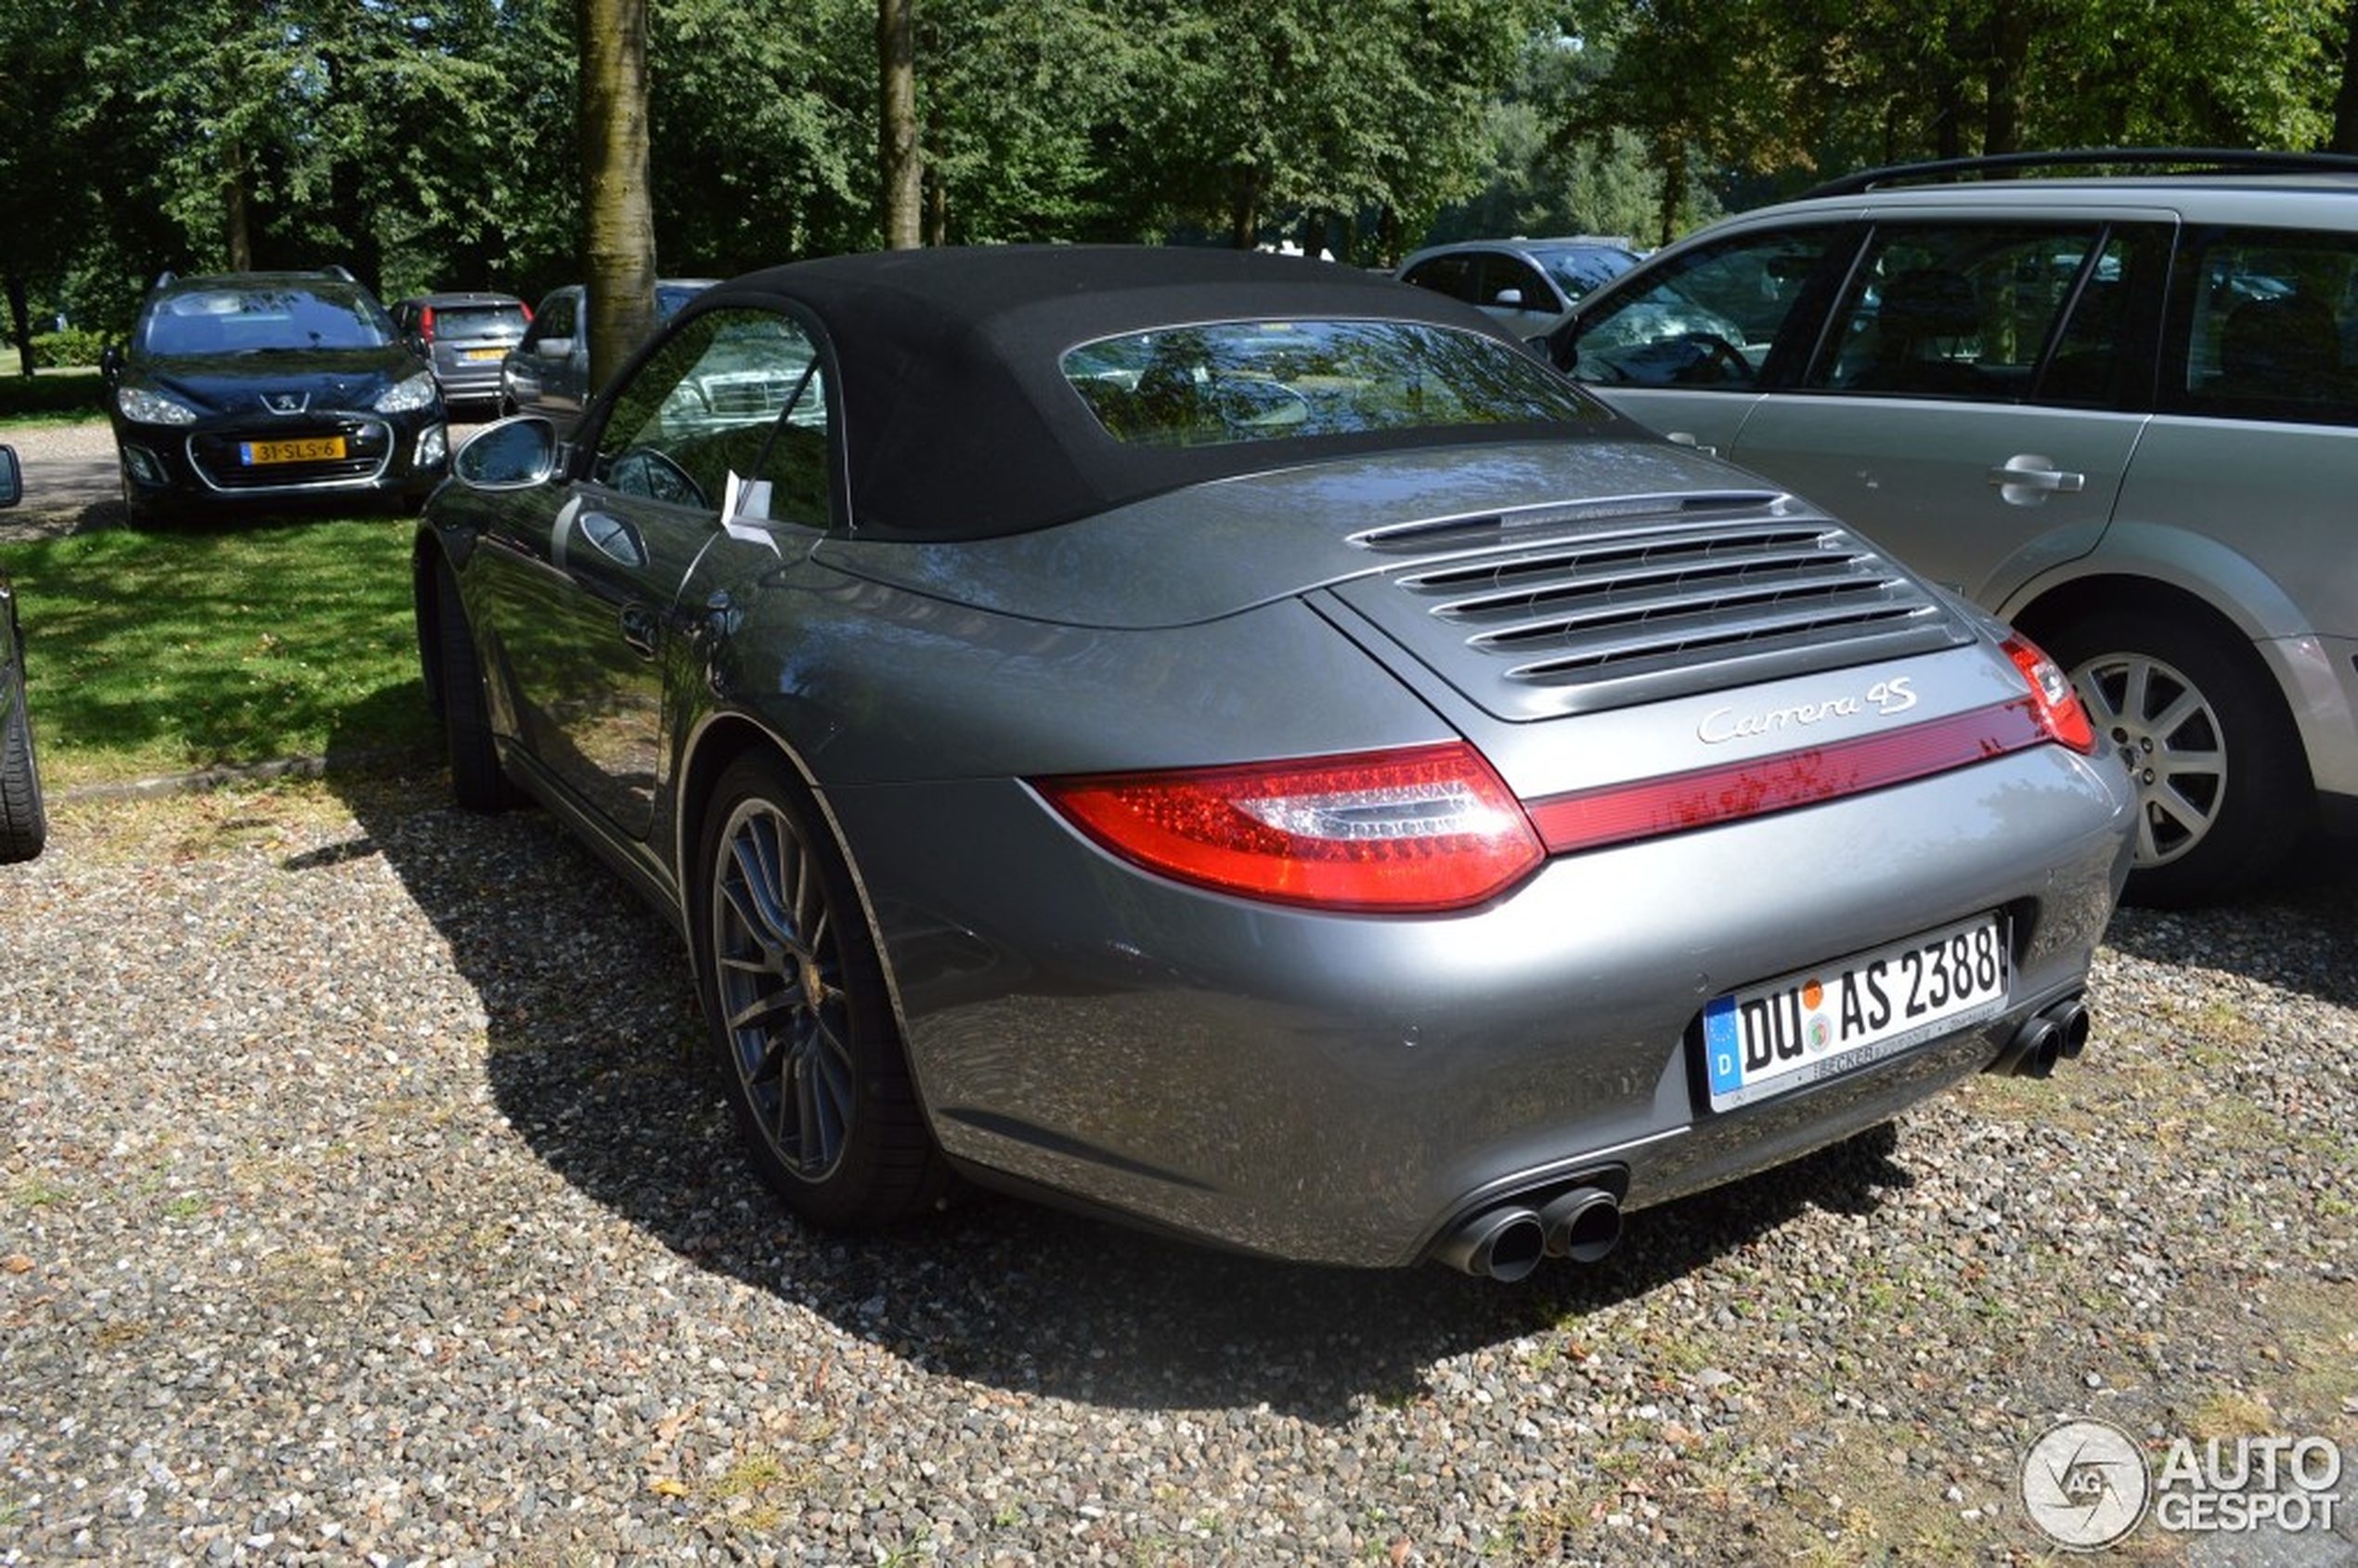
597	1060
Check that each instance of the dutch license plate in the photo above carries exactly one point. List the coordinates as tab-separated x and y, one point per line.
1811	1025
483	354
318	449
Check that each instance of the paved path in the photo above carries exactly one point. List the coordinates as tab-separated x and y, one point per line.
70	484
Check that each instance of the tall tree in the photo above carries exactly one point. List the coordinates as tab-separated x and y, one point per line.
900	171
618	212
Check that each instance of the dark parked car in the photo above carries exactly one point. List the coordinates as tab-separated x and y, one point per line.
464	337
24	824
1242	745
548	371
2116	409
1527	284
270	386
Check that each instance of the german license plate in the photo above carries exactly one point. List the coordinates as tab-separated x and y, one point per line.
1811	1025
318	449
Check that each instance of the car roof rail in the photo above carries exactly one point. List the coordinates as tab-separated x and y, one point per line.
164	279
2184	159
337	269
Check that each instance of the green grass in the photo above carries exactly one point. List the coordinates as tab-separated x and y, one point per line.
170	652
50	397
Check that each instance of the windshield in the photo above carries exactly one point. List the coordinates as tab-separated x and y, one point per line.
264	318
1261	380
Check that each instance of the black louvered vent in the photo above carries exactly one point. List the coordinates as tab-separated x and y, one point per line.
1663	595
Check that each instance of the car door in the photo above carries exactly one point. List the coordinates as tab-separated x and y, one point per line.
1976	393
592	616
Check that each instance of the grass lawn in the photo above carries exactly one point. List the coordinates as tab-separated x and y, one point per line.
162	653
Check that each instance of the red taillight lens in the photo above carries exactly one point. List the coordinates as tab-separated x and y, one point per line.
425	324
1424	829
2059	710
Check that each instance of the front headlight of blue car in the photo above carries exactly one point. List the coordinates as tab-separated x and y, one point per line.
415	393
142	406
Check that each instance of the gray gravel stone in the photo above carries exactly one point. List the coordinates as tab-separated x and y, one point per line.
362	1199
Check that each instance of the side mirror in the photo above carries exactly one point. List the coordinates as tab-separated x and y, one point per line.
1510	298
553	348
11	478
511	454
110	361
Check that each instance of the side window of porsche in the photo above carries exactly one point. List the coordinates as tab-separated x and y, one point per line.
737	394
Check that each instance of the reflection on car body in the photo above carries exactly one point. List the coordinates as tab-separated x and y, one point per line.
1234	745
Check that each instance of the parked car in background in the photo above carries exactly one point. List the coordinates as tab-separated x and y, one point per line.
1245	746
266	387
24	822
464	337
2116	410
548	371
1528	284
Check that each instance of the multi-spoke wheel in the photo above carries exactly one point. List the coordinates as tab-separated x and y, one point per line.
2223	793
796	1000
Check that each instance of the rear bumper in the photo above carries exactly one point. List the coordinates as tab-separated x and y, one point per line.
1342	1090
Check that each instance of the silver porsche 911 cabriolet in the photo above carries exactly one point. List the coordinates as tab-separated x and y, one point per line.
1239	744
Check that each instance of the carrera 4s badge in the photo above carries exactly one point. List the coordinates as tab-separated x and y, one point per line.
1882	699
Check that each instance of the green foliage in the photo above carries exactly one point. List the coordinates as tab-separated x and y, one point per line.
434	144
76	347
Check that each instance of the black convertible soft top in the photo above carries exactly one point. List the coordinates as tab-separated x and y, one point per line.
956	417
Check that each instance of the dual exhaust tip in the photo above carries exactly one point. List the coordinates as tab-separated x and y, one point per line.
2055	1034
1506	1243
1583	1222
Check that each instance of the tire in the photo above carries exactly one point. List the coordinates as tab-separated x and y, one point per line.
801	1027
24	822
2224	792
477	781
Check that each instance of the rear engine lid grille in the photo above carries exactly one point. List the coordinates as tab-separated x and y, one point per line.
1576	609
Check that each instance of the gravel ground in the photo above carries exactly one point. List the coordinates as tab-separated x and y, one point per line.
359	1202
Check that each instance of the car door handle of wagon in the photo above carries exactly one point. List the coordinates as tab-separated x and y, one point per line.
2027	479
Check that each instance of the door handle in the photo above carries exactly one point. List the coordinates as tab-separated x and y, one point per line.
2027	479
637	623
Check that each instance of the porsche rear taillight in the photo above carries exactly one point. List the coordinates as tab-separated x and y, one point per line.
2060	711
1423	829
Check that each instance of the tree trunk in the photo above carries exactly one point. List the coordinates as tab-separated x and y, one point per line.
617	210
21	321
2010	28
237	213
901	209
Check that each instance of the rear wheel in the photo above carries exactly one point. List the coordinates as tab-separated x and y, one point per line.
795	998
24	822
2222	791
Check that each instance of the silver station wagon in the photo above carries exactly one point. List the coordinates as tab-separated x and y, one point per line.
2115	410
